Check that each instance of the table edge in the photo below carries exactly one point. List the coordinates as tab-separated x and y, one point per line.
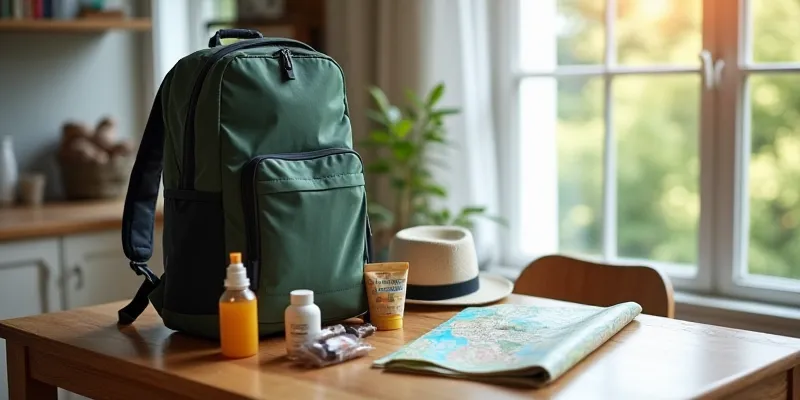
735	383
135	372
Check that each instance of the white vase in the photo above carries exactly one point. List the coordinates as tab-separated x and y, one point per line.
8	173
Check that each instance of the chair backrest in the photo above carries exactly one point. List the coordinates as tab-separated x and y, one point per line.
578	281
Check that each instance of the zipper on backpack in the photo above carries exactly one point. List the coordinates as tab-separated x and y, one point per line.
187	165
286	64
250	202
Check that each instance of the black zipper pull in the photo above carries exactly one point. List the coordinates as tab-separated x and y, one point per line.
286	62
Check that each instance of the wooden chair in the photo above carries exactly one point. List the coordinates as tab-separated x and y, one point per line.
578	281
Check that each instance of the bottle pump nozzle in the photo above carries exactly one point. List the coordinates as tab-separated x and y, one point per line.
236	277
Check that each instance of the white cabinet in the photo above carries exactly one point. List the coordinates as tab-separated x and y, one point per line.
46	275
29	276
96	270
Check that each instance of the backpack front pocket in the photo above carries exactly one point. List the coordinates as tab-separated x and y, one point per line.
306	222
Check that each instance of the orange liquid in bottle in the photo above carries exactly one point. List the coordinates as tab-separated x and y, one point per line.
238	326
238	313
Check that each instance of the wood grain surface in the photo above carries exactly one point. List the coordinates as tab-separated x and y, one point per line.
85	351
56	219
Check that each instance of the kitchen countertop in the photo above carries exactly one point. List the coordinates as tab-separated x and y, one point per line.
64	218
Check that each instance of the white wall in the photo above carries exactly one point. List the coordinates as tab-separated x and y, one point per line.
46	79
173	26
49	78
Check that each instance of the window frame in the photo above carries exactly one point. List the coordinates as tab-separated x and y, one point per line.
734	140
723	149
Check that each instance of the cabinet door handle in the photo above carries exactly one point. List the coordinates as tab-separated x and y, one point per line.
77	272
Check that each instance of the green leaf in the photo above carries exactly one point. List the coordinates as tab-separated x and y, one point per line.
443	112
398	183
444	216
417	185
380	99
422	208
379	215
414	99
377	117
473	210
380	137
435	95
419	178
437	217
403	151
422	172
402	128
422	185
435	190
466	215
435	137
463	222
379	167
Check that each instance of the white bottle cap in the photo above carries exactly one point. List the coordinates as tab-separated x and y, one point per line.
302	297
236	277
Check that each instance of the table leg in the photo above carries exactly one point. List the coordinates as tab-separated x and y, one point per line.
794	383
21	385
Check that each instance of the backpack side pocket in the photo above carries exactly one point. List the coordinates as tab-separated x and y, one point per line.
194	245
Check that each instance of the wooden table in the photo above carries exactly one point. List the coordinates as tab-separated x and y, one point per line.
84	351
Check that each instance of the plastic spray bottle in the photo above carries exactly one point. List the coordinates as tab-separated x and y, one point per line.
238	313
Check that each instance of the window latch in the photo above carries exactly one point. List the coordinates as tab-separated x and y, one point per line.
712	70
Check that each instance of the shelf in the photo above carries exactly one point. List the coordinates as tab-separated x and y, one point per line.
75	25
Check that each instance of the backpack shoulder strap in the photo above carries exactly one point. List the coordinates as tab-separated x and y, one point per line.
138	216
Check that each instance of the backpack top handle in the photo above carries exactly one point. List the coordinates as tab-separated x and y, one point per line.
216	40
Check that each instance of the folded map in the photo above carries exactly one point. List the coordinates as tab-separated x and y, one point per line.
511	344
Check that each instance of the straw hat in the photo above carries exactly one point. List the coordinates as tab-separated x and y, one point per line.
443	267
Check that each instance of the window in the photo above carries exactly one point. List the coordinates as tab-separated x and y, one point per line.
664	132
206	17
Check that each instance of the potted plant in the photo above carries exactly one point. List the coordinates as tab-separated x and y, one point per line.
404	141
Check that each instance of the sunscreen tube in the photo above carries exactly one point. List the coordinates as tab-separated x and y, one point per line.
386	291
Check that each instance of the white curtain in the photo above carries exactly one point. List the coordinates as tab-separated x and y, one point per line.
415	44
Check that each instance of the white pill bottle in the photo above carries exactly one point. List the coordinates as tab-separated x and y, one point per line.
302	320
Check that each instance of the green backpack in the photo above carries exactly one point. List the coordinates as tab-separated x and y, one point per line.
255	144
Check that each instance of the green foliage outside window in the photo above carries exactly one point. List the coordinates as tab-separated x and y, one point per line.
657	131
